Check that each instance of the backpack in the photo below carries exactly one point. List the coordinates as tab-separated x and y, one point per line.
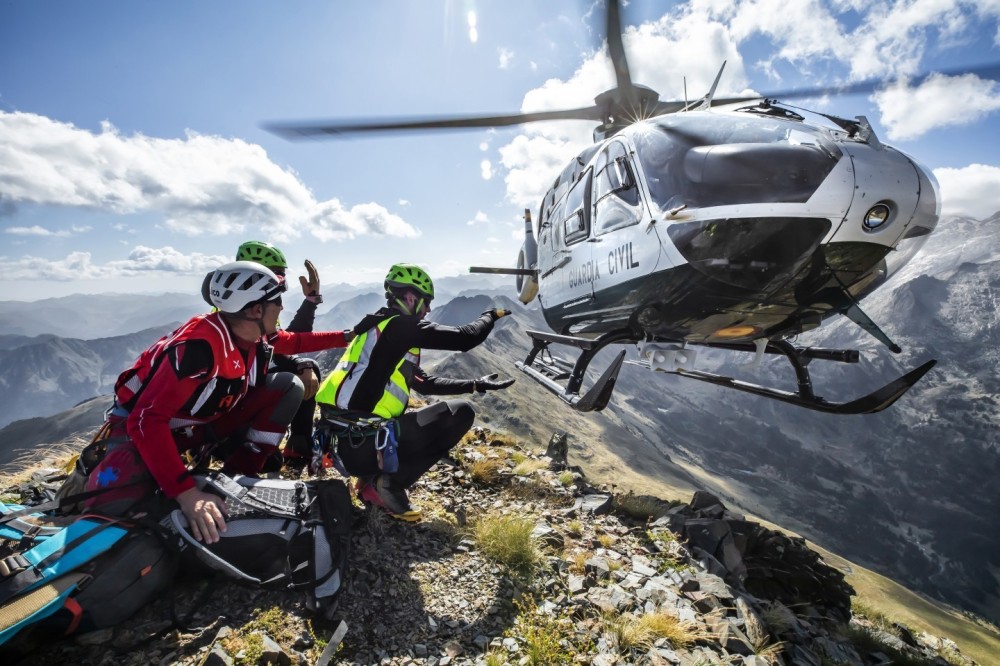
282	534
59	575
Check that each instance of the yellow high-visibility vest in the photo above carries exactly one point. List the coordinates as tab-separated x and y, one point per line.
338	387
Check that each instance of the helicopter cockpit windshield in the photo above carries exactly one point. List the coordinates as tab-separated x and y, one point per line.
700	161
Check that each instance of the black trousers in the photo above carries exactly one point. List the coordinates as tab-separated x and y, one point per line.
425	436
302	427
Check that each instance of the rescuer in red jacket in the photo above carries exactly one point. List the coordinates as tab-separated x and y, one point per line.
204	382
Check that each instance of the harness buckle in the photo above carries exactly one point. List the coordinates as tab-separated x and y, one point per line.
13	564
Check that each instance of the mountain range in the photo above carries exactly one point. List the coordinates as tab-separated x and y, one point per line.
907	492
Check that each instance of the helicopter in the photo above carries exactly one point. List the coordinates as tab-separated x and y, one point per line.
685	227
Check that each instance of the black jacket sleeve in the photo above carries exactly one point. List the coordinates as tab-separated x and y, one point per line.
294	364
430	385
304	318
429	335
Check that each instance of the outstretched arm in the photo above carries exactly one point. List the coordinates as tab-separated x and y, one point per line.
431	385
429	335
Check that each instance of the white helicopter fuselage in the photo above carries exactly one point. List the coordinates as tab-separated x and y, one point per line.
725	226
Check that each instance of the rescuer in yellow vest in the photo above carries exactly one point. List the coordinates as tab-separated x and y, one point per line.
375	376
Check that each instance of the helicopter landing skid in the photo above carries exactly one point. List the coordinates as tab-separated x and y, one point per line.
875	401
549	370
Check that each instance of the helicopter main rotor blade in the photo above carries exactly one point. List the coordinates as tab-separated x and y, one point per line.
327	128
616	49
987	71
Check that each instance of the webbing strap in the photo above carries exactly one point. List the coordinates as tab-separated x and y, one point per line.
71	548
36	604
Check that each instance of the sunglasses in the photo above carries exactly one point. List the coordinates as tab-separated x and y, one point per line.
273	295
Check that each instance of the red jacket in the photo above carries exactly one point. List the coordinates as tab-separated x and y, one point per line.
191	377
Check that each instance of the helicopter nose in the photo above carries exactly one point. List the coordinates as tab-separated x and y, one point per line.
749	252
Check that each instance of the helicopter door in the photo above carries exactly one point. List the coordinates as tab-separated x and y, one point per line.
575	271
616	248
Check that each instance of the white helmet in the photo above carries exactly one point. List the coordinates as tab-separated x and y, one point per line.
236	285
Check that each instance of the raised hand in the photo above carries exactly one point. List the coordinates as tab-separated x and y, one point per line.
310	287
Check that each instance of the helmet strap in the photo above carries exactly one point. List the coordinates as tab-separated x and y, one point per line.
402	306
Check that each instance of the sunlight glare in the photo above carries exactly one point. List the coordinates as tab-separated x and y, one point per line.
473	33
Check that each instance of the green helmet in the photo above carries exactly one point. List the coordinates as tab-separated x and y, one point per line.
263	253
402	276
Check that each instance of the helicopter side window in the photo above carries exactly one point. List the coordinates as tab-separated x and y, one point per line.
615	191
544	215
576	223
555	218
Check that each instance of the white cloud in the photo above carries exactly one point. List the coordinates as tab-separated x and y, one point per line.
479	218
969	191
486	169
141	261
506	55
330	220
403	202
203	185
532	163
35	231
938	102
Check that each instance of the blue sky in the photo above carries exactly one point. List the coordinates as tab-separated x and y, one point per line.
132	157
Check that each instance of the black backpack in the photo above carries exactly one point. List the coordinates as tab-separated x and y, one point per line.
279	533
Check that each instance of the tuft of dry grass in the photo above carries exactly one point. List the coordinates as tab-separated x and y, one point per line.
628	632
640	507
578	563
486	471
529	466
507	540
60	456
665	625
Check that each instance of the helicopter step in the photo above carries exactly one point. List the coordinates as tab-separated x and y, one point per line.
677	360
549	370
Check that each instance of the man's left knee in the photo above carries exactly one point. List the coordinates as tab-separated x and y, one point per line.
291	390
463	414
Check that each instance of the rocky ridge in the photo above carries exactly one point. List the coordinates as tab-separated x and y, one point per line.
520	561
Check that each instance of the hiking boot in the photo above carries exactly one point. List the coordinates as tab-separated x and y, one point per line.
297	446
390	498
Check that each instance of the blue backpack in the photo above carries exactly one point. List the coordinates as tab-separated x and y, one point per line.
59	575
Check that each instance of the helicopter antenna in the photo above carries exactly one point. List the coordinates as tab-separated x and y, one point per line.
706	101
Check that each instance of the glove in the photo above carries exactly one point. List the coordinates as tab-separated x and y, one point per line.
496	313
490	383
310	287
